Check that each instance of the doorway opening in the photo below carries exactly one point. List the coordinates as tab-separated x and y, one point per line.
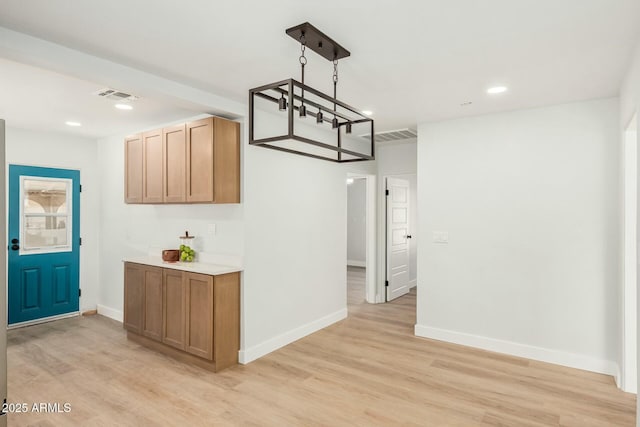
630	224
361	239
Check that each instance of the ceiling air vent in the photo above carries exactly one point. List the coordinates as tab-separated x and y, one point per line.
394	135
115	95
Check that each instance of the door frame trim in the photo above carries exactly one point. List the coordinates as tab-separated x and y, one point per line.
627	379
371	286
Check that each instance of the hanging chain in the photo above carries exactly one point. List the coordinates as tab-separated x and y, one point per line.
303	46
303	58
335	83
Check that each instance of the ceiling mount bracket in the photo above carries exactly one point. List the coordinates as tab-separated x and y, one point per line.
318	42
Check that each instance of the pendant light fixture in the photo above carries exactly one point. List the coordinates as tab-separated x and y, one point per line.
350	137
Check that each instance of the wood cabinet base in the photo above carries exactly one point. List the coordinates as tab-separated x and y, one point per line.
180	355
190	316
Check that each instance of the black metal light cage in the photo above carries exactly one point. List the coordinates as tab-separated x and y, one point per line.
347	117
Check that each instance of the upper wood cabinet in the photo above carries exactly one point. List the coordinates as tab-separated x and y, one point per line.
133	154
198	162
226	161
152	170
174	154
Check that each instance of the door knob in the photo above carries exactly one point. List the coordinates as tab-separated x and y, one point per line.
14	241
408	236
15	247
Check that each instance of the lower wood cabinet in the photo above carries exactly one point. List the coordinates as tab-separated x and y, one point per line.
194	317
173	309
199	315
143	300
152	318
133	297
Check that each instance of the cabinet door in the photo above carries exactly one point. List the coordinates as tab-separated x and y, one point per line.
152	172
133	169
226	157
152	314
174	152
199	318
133	297
200	161
174	309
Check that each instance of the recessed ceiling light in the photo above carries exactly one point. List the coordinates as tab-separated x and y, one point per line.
124	107
497	89
74	124
367	112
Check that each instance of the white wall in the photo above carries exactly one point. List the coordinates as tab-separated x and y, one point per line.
356	222
291	230
63	151
133	230
295	271
630	105
295	212
399	160
530	202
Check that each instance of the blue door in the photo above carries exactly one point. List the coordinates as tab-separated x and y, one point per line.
44	242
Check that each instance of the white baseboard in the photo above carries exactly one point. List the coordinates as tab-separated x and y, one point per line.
556	357
112	313
266	347
413	283
354	263
618	378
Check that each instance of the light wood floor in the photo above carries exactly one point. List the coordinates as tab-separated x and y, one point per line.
367	370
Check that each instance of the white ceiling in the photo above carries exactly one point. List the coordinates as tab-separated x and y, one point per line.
33	98
412	61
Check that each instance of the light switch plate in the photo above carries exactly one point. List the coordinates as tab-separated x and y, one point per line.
440	237
211	229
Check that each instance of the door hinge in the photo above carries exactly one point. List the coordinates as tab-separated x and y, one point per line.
386	283
79	292
81	241
386	192
81	188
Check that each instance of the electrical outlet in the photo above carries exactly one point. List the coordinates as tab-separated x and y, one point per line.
440	237
211	229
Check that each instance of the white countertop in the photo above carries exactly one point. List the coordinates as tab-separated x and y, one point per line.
194	267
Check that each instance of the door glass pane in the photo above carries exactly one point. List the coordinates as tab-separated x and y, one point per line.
45	215
43	231
42	196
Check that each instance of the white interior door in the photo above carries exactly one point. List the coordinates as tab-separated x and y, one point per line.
397	237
